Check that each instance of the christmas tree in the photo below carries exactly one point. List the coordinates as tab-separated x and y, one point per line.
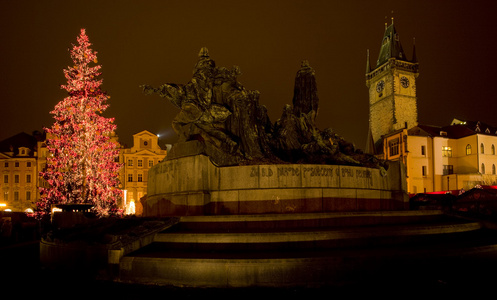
82	166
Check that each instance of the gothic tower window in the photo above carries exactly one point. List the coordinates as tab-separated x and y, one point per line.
394	147
493	149
483	168
482	148
468	149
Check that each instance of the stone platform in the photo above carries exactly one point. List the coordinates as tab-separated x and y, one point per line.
311	250
193	185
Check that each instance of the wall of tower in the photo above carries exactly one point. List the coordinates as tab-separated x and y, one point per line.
381	118
406	112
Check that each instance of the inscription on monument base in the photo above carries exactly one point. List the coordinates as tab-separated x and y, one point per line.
314	171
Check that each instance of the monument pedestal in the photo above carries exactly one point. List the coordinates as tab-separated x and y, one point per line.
193	185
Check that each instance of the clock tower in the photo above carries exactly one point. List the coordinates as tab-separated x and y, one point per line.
392	90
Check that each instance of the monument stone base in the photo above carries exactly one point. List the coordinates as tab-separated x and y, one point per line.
193	185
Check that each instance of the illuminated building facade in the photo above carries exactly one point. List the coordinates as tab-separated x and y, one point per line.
24	156
459	156
136	161
19	172
454	157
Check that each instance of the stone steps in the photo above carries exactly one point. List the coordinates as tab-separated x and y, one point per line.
301	250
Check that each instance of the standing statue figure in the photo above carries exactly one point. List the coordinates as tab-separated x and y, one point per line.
218	111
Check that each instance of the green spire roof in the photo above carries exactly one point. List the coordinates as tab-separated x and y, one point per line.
390	46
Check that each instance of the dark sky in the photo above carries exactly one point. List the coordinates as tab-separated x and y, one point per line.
154	42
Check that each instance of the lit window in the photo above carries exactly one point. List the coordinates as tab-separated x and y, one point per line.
468	149
447	151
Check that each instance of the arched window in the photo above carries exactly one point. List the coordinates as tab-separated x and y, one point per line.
482	148
468	149
483	168
493	149
493	169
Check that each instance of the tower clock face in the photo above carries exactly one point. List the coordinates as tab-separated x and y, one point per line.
380	86
404	82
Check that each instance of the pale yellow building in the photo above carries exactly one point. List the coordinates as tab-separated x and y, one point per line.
136	161
459	156
19	172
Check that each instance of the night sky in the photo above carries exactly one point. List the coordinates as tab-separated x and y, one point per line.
154	42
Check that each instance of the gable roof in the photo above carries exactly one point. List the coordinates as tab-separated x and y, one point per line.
457	129
144	132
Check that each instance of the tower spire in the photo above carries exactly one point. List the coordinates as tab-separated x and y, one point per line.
368	65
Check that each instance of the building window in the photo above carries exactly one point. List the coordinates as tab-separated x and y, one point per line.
393	145
150	163
482	148
423	150
28	195
16	178
6	164
5	178
448	169
16	196
468	149
130	177
447	151
130	162
28	178
424	170
493	149
5	196
16	164
493	169
140	163
140	177
483	168
28	164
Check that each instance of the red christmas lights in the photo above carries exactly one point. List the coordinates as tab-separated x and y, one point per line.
82	166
